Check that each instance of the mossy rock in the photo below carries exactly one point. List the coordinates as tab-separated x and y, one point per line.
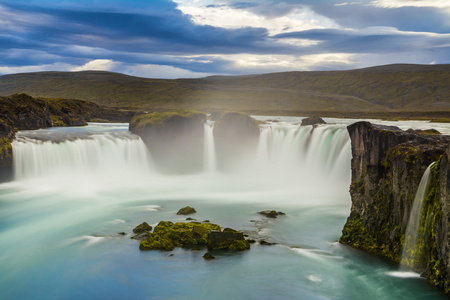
142	228
186	211
223	240
156	241
164	119
239	245
167	235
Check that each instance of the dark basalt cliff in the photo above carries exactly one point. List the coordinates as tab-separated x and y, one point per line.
174	138
236	137
23	112
387	166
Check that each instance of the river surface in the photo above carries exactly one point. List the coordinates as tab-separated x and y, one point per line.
76	189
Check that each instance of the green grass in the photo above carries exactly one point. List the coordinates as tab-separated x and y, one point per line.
388	91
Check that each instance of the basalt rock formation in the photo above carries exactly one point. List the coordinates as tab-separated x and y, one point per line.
236	137
23	112
172	137
387	166
312	121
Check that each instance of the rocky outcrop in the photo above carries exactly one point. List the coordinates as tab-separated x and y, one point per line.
168	235
236	136
23	112
172	137
312	121
387	166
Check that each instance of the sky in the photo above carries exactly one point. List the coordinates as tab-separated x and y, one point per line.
198	38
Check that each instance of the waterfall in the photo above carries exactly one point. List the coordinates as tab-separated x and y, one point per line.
287	156
408	257
209	162
323	151
79	160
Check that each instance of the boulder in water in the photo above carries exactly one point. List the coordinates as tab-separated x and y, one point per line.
208	256
223	240
167	235
142	228
186	211
271	213
312	121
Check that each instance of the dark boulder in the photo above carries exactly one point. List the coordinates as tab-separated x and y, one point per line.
223	240
143	227
271	213
312	121
208	256
186	211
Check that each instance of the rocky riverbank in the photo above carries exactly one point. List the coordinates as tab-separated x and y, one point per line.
387	166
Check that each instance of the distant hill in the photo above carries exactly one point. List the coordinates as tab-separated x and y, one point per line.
387	89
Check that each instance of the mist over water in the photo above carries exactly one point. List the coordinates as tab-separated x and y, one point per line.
76	188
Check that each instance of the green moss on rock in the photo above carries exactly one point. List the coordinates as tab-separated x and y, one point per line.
186	211
167	235
162	119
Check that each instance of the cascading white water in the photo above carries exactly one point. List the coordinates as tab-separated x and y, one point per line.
79	161
287	156
209	161
306	154
409	248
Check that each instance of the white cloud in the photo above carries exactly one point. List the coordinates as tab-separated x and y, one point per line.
249	63
297	19
98	65
411	3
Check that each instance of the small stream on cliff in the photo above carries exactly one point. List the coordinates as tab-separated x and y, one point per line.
77	188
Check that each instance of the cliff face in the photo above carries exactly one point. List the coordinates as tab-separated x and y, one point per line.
175	139
387	166
236	137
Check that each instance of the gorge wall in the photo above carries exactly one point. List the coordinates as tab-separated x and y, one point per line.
387	166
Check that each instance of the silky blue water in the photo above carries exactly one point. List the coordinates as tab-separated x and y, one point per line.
59	234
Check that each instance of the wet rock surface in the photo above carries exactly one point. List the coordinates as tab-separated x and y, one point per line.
312	121
387	166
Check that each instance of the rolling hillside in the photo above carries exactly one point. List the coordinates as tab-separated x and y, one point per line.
392	89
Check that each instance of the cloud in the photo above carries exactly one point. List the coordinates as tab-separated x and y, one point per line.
227	16
255	64
98	64
169	39
411	3
370	40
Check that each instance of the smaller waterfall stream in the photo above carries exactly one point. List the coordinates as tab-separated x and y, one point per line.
408	259
209	162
